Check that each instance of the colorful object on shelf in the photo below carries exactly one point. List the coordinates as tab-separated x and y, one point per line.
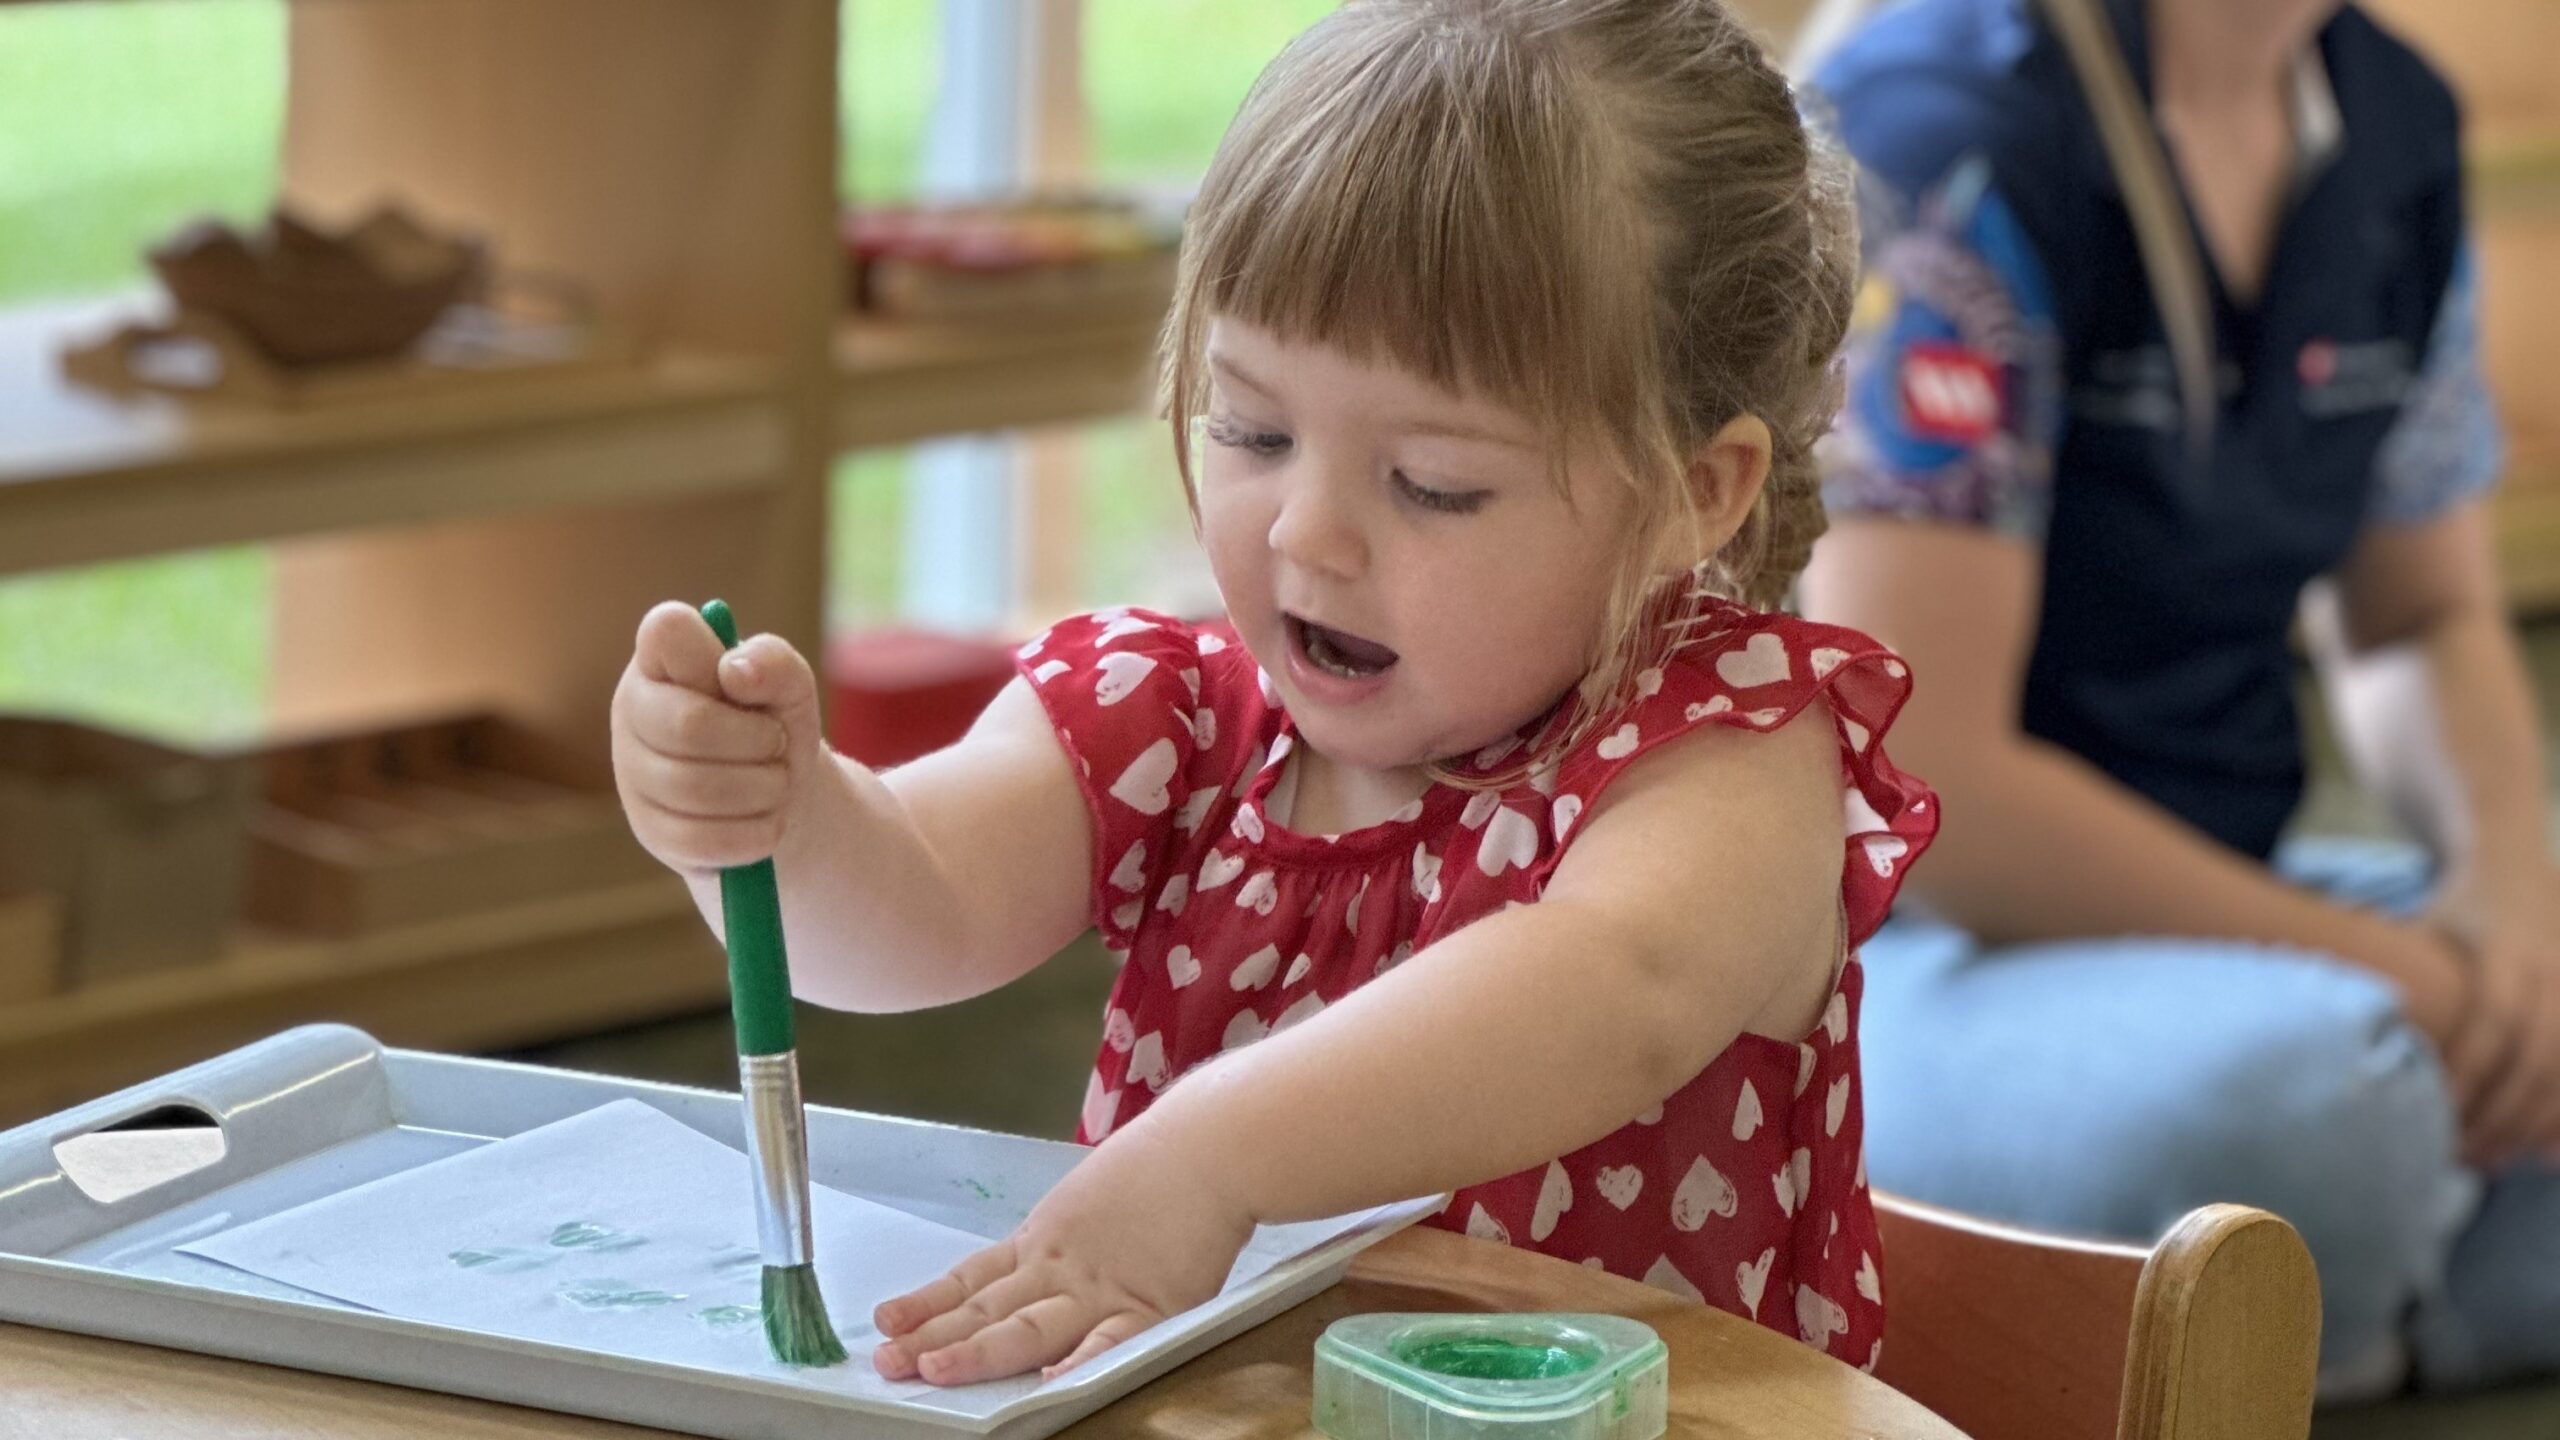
1491	1377
895	694
1081	257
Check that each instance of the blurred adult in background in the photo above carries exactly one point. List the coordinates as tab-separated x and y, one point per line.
2169	338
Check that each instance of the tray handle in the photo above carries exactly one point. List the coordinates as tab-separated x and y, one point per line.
276	1101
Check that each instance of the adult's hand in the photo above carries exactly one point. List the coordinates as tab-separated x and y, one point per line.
2510	1042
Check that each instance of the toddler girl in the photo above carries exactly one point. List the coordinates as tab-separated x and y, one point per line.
1494	843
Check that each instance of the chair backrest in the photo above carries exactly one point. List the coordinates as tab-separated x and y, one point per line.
2213	1334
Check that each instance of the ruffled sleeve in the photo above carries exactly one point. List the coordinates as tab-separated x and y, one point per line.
1122	691
1757	671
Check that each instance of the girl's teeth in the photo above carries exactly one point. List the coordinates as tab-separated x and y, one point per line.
1321	649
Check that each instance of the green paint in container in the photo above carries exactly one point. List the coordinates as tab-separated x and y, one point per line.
1491	1377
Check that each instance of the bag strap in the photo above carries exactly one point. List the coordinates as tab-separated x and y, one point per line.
2170	259
2180	291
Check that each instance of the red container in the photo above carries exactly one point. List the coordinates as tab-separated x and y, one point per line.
895	694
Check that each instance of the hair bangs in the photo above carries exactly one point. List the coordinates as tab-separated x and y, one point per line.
1426	198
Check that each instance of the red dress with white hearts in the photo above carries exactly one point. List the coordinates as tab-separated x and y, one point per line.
1744	1188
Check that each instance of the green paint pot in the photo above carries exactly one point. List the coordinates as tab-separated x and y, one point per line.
1491	1377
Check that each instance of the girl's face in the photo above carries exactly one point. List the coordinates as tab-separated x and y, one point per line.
1397	557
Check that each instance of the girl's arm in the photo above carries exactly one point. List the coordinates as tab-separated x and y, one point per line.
946	878
943	880
2041	844
1701	900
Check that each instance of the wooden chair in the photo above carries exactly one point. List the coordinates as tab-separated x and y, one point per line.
2212	1334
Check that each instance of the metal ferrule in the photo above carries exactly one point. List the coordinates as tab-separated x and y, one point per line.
778	1153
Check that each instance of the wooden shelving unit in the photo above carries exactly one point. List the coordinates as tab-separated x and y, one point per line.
492	546
84	478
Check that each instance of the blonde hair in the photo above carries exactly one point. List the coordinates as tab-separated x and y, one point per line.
1606	214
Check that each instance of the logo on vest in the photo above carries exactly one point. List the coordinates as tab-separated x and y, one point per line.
1950	393
2344	379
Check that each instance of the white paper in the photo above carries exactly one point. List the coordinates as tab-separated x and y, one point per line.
626	1231
619	1229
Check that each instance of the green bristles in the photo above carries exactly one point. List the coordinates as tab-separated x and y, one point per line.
795	1319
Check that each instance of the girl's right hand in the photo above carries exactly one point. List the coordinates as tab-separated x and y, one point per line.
712	751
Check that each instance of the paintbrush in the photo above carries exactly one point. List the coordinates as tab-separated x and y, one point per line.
795	1316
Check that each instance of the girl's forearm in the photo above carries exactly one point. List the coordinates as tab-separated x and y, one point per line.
1519	1061
870	914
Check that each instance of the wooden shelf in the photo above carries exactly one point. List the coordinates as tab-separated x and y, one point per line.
464	983
901	383
86	476
2516	176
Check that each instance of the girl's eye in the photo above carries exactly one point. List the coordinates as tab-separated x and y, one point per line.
1447	502
1224	430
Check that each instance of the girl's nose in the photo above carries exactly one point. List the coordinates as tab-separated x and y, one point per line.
1317	529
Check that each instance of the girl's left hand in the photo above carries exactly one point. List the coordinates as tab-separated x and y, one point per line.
1135	1233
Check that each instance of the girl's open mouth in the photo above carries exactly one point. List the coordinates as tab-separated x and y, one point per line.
1336	653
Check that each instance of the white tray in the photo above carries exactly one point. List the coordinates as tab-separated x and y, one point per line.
324	1108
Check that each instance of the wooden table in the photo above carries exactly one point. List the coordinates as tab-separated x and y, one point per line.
1730	1379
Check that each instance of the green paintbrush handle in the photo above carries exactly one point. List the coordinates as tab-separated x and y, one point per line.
751	919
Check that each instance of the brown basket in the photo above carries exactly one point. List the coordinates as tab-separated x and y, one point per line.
425	822
142	843
303	296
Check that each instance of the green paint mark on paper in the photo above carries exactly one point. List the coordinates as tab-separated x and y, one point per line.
579	1235
615	1295
730	1317
501	1260
983	1192
1490	1357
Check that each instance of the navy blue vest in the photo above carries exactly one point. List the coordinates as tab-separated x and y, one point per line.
2161	650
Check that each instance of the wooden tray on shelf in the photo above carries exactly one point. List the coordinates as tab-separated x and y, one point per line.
193	355
426	821
137	842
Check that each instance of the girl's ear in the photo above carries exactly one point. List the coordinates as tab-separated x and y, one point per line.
1725	479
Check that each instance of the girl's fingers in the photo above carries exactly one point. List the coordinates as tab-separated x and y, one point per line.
697	842
675	646
895	1318
710	789
682	725
986	1307
1021	1341
1112	1330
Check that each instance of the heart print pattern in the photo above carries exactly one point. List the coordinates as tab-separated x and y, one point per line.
1742	1189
